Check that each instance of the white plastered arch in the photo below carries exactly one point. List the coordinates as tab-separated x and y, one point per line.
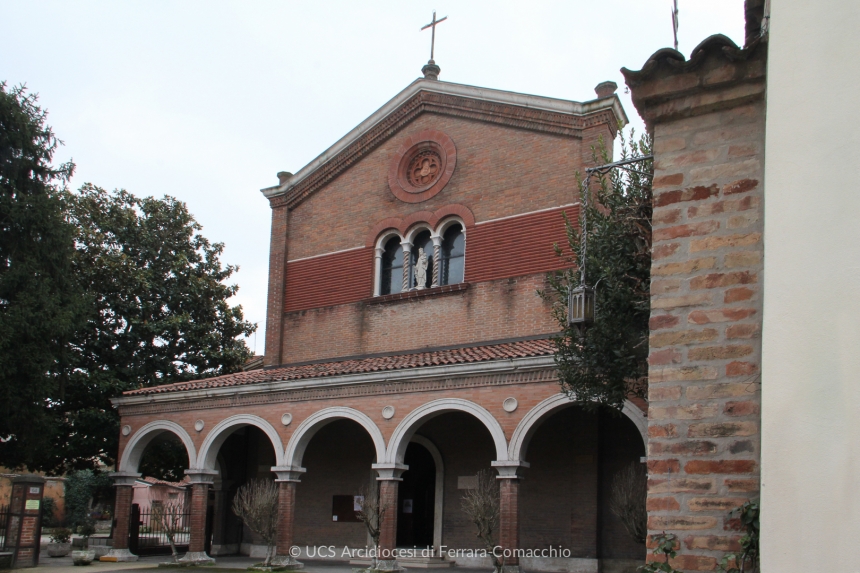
217	435
407	427
417	228
532	420
386	236
447	222
315	422
141	438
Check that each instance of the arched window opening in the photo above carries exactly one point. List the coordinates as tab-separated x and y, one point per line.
421	271
392	267
453	255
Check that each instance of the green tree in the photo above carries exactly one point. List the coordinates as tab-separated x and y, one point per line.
607	362
40	304
158	313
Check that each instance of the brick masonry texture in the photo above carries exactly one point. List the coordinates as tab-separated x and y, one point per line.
502	171
707	119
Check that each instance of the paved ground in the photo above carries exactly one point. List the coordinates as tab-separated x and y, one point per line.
223	565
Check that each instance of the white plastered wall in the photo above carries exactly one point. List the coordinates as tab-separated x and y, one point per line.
811	332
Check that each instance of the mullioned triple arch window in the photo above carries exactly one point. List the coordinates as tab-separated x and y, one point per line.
424	258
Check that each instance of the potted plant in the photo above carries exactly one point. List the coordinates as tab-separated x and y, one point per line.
61	542
85	556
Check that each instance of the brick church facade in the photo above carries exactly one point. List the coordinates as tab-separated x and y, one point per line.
406	342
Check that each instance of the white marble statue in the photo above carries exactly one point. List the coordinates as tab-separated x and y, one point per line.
421	269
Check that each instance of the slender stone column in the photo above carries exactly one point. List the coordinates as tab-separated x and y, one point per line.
509	477
123	482
200	482
288	479
407	263
437	259
377	270
389	480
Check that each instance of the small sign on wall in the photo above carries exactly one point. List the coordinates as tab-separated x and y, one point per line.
31	504
343	508
467	482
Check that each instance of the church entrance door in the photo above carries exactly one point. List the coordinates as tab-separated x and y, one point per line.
416	499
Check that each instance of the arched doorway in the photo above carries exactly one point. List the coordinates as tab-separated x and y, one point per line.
416	499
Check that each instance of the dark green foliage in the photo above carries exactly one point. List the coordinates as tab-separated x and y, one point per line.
81	488
99	293
664	547
607	363
747	559
165	458
49	512
39	301
158	312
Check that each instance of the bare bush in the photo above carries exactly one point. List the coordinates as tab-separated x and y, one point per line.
372	514
627	495
168	512
481	505
256	504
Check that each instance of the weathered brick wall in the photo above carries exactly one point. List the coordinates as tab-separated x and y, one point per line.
708	126
491	310
505	167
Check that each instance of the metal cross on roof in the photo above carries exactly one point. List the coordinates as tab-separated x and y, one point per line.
433	37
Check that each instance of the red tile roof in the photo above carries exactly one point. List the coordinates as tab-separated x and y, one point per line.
500	351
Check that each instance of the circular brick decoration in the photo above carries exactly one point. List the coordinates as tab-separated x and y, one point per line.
422	166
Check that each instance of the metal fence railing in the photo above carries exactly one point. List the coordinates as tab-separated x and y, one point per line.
4	520
148	535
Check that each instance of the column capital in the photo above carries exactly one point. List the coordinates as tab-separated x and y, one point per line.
199	476
378	252
437	240
390	472
288	473
123	478
510	469
407	245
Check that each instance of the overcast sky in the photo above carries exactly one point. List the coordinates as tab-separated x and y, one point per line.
207	101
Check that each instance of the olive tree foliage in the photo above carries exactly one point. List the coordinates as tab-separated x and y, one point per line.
372	514
256	504
606	363
40	303
481	506
627	494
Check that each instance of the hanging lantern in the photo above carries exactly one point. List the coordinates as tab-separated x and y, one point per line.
580	308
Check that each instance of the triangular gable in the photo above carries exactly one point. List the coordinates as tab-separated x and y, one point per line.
523	111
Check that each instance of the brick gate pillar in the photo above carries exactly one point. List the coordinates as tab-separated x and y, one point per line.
707	116
509	477
288	479
389	479
123	482
201	480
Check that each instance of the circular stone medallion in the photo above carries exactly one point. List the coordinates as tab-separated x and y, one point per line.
198	425
422	166
126	430
286	419
388	412
510	404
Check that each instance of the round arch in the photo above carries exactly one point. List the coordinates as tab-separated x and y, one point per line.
315	422
141	438
531	421
217	435
407	427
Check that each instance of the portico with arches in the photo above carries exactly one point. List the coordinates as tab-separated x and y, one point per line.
407	350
